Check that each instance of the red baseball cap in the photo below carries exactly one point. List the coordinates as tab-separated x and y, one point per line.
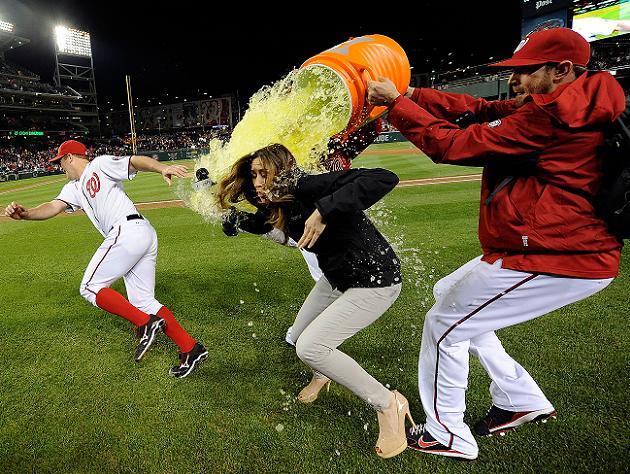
69	146
549	46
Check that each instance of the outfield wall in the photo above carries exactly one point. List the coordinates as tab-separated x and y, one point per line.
390	137
26	174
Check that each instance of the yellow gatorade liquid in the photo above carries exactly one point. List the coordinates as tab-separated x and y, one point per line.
301	111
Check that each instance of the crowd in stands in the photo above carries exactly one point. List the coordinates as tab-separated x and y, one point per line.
10	69
14	159
30	121
448	80
16	78
465	76
18	154
174	141
610	55
605	56
13	85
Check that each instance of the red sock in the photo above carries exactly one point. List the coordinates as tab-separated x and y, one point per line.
115	303
173	330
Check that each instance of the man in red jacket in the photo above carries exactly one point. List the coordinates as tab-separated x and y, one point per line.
543	245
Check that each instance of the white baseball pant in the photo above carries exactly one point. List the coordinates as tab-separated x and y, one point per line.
471	303
128	251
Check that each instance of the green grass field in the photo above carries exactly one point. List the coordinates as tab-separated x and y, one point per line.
73	401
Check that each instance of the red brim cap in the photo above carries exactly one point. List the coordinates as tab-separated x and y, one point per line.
553	45
512	62
67	147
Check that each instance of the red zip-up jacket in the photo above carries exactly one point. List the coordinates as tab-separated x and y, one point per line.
534	221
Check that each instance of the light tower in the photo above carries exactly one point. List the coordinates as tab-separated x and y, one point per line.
74	68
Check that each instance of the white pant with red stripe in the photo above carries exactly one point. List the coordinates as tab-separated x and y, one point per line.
471	303
128	251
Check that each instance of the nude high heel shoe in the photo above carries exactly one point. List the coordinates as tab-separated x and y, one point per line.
392	438
310	393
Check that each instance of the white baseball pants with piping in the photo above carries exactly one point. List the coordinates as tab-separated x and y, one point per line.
128	251
472	303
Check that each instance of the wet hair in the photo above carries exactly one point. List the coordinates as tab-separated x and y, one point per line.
238	185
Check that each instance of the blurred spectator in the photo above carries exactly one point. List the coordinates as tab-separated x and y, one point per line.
10	69
610	55
17	78
20	155
176	140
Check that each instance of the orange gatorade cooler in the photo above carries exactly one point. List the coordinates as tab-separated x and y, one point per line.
355	62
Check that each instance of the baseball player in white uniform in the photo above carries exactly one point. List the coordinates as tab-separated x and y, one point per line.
129	249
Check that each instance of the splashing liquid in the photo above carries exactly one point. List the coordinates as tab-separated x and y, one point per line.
301	111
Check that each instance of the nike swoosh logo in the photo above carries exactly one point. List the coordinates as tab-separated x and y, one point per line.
423	444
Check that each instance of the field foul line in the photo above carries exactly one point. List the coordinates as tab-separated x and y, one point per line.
402	184
165	203
442	180
31	186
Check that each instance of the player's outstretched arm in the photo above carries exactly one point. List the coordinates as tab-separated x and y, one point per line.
145	163
42	212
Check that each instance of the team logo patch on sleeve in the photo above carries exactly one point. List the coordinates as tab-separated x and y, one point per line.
494	123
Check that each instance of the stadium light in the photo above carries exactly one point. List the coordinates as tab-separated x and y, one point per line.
6	26
71	41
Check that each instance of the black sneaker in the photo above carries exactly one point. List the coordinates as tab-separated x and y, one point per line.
188	361
147	333
498	421
421	440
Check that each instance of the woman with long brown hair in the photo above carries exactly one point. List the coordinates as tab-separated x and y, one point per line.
324	214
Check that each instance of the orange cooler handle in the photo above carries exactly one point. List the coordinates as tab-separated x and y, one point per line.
368	75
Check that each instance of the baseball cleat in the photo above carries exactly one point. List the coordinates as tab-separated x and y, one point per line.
420	439
498	421
147	333
188	361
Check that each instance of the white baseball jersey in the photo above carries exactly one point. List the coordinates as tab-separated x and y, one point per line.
99	191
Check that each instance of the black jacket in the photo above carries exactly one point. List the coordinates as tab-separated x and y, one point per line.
351	252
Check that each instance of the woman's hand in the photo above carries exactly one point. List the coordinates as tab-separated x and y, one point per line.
313	228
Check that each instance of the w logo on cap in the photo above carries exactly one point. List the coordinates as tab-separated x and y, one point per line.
521	44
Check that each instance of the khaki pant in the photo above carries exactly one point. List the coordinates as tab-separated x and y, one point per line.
327	318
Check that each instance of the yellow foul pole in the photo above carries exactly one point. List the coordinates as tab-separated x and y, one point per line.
132	121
